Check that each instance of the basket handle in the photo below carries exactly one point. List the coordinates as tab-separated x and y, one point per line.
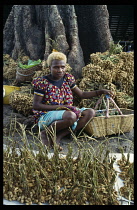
107	105
107	108
99	101
111	99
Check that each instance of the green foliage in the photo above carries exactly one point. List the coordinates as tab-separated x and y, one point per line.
115	48
31	63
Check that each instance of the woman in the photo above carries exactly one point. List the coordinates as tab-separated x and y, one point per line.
53	101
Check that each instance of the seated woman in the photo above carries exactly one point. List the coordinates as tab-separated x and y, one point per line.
53	101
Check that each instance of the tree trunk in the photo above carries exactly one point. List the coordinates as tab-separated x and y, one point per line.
101	27
94	32
37	29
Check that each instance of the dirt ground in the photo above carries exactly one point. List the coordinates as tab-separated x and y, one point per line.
113	143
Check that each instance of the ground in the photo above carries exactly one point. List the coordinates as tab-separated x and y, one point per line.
113	143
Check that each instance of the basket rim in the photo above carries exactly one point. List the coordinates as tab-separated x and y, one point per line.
114	109
24	74
110	116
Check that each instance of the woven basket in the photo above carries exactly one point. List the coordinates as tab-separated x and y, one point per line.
102	126
23	75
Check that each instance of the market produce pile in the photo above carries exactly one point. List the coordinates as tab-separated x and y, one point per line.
113	70
87	179
127	174
22	100
57	180
9	67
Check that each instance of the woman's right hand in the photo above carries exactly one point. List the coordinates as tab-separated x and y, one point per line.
75	110
71	108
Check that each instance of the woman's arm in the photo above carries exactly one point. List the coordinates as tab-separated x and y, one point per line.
37	104
90	94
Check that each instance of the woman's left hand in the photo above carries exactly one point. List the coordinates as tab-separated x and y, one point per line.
108	92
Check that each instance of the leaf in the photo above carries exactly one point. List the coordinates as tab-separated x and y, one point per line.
30	64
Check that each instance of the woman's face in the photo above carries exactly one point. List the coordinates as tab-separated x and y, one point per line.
57	69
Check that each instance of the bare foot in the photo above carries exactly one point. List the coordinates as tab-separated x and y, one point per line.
58	143
48	142
60	148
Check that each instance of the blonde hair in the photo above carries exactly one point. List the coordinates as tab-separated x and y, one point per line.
56	56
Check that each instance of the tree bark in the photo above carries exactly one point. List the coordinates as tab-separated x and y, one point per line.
101	27
94	32
35	27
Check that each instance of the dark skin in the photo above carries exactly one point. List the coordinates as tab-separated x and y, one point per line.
57	69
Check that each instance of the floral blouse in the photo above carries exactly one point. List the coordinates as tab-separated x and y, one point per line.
52	94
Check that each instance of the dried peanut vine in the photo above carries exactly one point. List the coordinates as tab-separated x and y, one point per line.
36	176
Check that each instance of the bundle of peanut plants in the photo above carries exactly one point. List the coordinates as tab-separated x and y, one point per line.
35	177
127	175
